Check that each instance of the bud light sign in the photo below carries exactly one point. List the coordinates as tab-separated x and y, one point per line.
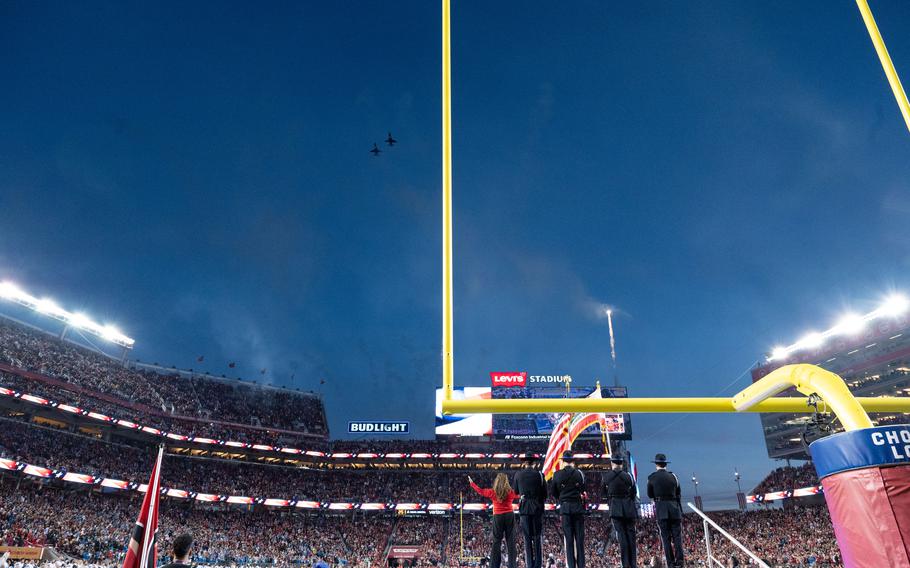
509	379
379	427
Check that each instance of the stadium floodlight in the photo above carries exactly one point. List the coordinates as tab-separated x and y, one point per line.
80	320
894	305
46	306
779	353
110	332
850	324
811	340
10	291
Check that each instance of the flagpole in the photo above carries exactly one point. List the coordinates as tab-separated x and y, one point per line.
153	490
141	551
461	521
603	436
568	380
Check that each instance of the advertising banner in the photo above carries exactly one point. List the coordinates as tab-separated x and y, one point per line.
884	445
23	552
514	379
379	427
399	551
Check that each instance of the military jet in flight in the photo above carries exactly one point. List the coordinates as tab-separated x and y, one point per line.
375	151
391	141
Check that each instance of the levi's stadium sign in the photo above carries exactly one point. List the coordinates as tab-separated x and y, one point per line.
547	379
379	427
522	379
509	379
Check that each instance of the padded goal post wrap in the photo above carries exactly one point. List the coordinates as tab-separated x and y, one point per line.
866	477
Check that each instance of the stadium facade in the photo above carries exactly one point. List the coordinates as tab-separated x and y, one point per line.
874	362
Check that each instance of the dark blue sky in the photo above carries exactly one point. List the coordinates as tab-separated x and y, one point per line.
727	175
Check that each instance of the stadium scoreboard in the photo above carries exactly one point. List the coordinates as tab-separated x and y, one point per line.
533	426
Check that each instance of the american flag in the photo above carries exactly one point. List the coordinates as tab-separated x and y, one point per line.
559	443
567	429
141	551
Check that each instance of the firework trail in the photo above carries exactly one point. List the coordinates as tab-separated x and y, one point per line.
612	339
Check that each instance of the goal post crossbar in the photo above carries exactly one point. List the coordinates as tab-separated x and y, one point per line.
825	391
655	405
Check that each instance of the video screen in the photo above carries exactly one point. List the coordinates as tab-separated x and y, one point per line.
464	424
540	426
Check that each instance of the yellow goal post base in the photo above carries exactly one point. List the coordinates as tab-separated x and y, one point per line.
759	397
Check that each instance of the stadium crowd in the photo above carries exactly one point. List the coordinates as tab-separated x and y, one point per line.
94	528
788	478
774	534
107	385
793	537
178	425
78	453
91	524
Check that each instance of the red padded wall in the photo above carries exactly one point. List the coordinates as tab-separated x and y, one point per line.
870	509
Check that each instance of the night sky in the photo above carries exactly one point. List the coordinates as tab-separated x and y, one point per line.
728	176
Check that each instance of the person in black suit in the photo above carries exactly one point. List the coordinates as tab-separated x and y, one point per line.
181	547
568	487
531	485
619	487
664	490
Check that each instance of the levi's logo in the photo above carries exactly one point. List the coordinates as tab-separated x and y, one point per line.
509	379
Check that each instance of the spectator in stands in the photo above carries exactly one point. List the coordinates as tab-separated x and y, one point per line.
503	518
68	373
788	478
181	549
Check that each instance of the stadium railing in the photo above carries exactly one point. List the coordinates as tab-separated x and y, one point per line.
710	523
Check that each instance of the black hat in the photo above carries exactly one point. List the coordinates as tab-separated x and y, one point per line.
616	458
568	457
661	459
529	458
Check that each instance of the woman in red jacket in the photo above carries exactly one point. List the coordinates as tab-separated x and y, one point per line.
503	518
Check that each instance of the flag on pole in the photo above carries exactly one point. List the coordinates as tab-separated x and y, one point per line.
633	469
141	551
559	443
567	429
581	422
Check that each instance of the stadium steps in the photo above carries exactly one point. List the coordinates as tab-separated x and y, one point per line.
443	552
388	538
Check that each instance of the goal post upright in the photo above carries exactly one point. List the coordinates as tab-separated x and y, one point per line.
759	397
887	65
448	364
